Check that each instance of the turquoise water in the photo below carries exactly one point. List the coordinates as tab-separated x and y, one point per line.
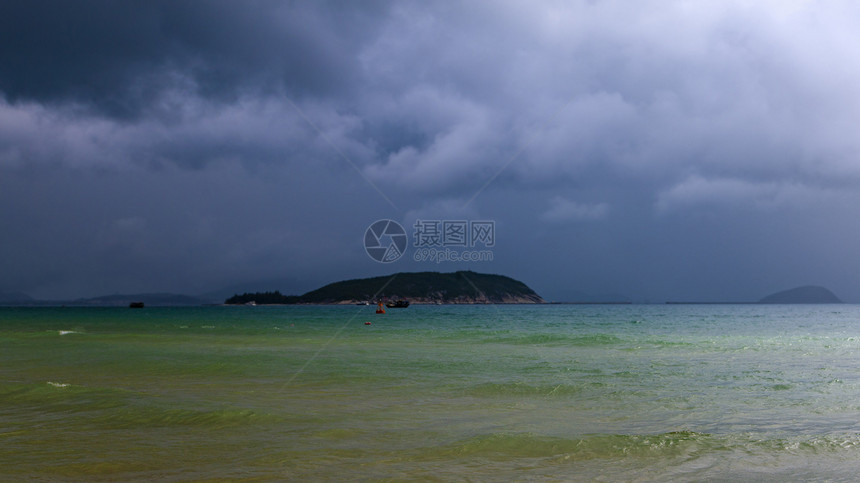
486	393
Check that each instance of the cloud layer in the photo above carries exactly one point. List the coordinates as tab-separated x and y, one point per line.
664	149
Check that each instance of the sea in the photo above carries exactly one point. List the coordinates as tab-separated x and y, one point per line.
431	393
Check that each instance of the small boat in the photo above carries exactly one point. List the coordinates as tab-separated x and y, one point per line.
135	305
251	303
363	303
399	304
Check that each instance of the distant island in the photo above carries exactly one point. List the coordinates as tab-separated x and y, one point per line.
150	299
114	300
809	294
463	287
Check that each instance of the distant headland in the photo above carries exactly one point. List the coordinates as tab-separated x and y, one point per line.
809	294
463	287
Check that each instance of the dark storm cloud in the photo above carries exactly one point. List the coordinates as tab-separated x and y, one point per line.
121	56
658	149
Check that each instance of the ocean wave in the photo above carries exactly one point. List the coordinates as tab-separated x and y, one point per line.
148	417
684	443
530	445
71	399
492	389
591	340
119	408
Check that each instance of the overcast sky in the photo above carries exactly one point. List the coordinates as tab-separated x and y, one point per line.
661	150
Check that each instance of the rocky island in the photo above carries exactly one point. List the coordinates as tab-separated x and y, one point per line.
809	294
463	287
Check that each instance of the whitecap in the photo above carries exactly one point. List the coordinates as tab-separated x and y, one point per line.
64	332
58	384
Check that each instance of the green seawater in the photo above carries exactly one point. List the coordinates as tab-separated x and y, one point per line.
439	393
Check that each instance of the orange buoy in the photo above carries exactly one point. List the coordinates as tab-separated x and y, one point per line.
379	308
